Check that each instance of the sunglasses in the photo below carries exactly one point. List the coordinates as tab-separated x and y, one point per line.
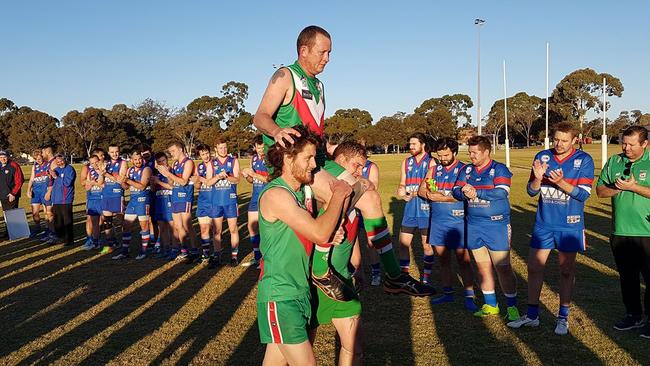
628	167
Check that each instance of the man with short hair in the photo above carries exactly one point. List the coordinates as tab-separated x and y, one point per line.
224	197
295	97
163	207
485	186
288	232
562	176
48	158
344	315
11	181
258	175
182	195
203	172
625	179
416	211
137	182
62	196
93	182
113	172
36	189
447	225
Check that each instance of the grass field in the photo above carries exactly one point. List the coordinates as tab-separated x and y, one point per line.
64	305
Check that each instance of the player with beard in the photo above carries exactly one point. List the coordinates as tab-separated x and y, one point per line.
112	194
288	233
416	212
258	175
447	225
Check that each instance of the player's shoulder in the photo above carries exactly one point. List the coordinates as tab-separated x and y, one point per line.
500	168
581	154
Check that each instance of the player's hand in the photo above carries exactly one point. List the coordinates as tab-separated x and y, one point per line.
11	197
284	136
539	169
408	196
246	172
163	170
340	187
48	196
469	191
338	237
367	185
195	179
625	184
556	176
29	193
401	192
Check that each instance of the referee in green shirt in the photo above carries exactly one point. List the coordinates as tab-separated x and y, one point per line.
625	179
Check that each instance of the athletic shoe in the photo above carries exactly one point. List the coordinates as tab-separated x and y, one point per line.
645	333
470	305
234	262
442	299
512	313
406	284
629	322
191	257
214	262
141	256
183	254
334	287
375	280
486	310
172	254
51	240
251	263
561	326
88	246
106	250
524	321
120	256
204	258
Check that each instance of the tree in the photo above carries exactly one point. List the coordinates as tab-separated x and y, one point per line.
387	131
150	112
123	123
581	91
240	133
182	126
348	121
457	105
31	130
220	110
644	120
496	119
525	112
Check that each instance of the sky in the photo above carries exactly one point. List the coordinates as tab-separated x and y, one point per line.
387	56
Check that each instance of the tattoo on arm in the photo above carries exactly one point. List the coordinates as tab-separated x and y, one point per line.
277	75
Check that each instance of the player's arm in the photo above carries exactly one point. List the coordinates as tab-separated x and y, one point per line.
401	189
279	204
30	183
144	180
373	175
88	184
605	188
582	190
501	189
234	178
183	180
69	177
274	96
631	185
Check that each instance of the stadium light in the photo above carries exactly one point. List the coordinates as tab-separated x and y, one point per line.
546	140
478	23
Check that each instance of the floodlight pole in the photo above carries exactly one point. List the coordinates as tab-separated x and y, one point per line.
478	23
546	139
505	107
604	139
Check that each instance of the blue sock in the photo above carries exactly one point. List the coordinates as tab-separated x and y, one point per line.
533	311
490	298
563	313
405	264
511	299
469	300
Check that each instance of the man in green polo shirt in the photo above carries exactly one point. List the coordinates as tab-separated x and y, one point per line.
625	179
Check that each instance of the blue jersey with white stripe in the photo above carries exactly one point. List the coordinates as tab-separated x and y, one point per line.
111	187
225	192
445	178
365	171
205	191
416	171
181	193
259	167
492	184
41	176
135	174
95	192
558	210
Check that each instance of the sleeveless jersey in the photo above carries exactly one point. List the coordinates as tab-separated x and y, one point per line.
111	187
160	190
205	192
225	192
259	167
285	255
135	174
306	107
445	178
415	173
95	192
365	171
41	176
182	193
494	206
556	210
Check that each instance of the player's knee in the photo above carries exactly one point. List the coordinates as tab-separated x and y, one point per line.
107	223
567	271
